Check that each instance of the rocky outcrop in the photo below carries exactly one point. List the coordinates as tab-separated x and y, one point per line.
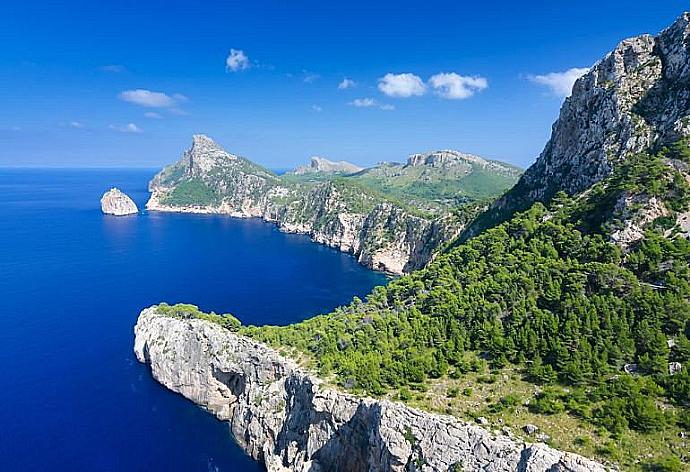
380	234
635	99
289	420
322	165
115	202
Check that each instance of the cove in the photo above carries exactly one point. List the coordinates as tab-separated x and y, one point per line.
72	282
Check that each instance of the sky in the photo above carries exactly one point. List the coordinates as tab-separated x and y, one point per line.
126	84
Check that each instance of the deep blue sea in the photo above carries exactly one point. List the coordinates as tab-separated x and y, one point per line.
72	282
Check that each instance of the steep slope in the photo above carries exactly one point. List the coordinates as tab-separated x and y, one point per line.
344	212
287	419
637	98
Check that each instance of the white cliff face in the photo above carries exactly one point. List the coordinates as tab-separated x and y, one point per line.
115	202
287	419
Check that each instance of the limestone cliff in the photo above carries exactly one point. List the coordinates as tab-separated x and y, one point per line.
289	420
115	202
637	98
380	231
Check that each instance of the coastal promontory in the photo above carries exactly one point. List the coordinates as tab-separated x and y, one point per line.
115	202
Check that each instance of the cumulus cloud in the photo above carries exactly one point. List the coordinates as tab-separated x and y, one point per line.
237	60
370	103
402	85
455	86
147	98
346	84
560	83
316	108
128	128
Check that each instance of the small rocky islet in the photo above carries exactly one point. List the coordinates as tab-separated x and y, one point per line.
116	202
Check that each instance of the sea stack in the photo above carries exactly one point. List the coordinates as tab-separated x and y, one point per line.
115	202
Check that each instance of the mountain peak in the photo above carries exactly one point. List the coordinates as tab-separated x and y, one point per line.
634	99
321	164
205	154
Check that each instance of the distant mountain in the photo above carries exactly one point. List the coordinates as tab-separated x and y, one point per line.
323	165
392	217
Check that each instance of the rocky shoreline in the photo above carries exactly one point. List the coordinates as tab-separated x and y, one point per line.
288	419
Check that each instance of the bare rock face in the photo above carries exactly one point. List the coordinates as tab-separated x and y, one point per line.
636	98
115	202
319	164
288	420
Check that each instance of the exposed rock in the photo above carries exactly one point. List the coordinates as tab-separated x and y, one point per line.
287	419
115	202
674	367
381	235
636	98
530	429
482	421
322	165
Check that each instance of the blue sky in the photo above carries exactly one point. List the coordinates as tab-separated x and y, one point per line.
127	83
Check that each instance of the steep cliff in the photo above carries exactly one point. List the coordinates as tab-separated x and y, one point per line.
287	419
637	98
348	213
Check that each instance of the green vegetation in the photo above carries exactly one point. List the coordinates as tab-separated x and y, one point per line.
544	292
191	192
186	311
542	299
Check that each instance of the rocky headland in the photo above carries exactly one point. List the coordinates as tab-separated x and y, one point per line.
290	420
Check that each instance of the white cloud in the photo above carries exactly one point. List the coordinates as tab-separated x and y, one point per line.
310	77
153	115
128	128
402	85
316	108
346	84
76	124
455	86
237	60
560	83
363	102
147	98
369	103
114	68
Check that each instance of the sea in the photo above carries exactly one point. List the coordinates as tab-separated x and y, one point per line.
72	281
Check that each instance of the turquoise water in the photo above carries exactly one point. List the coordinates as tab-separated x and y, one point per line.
72	282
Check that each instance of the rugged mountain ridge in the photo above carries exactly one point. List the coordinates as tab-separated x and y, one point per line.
287	419
346	214
636	98
322	165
